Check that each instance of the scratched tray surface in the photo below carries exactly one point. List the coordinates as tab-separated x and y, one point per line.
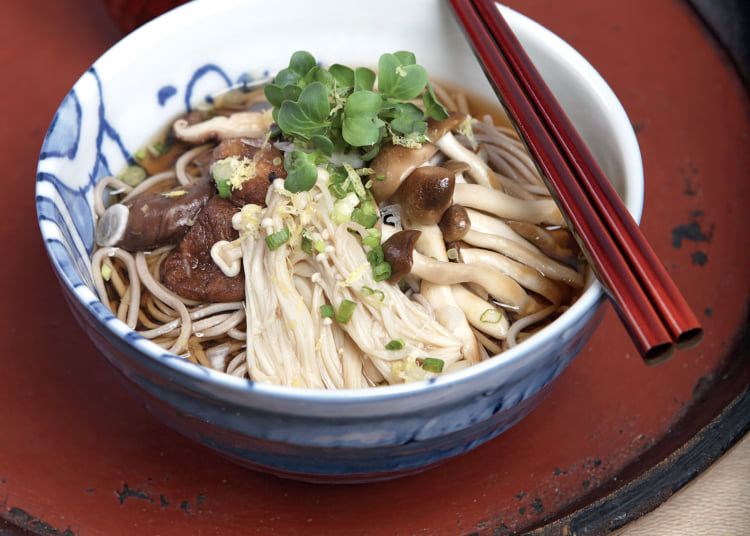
79	456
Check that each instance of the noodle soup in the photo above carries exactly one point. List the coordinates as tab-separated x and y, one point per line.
263	243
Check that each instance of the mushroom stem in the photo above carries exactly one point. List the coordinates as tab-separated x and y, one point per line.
399	252
527	277
478	168
480	313
538	261
505	206
487	224
544	240
447	311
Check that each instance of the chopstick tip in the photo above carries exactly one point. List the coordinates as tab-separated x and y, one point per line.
659	354
690	339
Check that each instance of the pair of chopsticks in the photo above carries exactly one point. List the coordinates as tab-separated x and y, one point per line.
646	299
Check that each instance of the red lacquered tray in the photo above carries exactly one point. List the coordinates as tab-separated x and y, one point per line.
79	456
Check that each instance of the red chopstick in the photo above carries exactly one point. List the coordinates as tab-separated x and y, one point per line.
648	303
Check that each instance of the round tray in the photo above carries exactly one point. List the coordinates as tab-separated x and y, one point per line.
80	456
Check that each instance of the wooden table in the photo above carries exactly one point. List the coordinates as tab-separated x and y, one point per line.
79	456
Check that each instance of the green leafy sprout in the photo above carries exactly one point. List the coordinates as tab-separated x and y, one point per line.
323	111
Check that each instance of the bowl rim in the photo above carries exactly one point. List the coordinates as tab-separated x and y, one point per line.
222	385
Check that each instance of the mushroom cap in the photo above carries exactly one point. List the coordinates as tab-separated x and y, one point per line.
436	129
426	194
394	163
455	223
398	251
456	166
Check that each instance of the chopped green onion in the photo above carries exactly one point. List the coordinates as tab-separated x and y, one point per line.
371	241
355	181
452	254
158	149
278	238
140	155
306	245
395	344
360	216
224	188
343	208
320	246
367	291
133	175
375	256
373	232
222	172
326	311
344	314
491	316
337	190
432	364
381	272
106	272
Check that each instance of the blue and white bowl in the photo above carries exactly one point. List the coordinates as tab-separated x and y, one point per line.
165	67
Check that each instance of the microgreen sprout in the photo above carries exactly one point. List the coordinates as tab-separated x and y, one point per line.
339	109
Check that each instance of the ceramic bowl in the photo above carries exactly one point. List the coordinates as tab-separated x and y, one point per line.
175	61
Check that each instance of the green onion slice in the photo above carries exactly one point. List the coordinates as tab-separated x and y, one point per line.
360	216
432	364
376	256
491	316
367	291
326	311
344	314
395	344
381	272
278	238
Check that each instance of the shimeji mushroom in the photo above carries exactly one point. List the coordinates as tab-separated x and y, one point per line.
542	263
455	223
425	198
478	168
440	296
482	314
527	277
503	205
494	234
399	251
426	194
394	163
545	240
237	125
437	187
491	225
